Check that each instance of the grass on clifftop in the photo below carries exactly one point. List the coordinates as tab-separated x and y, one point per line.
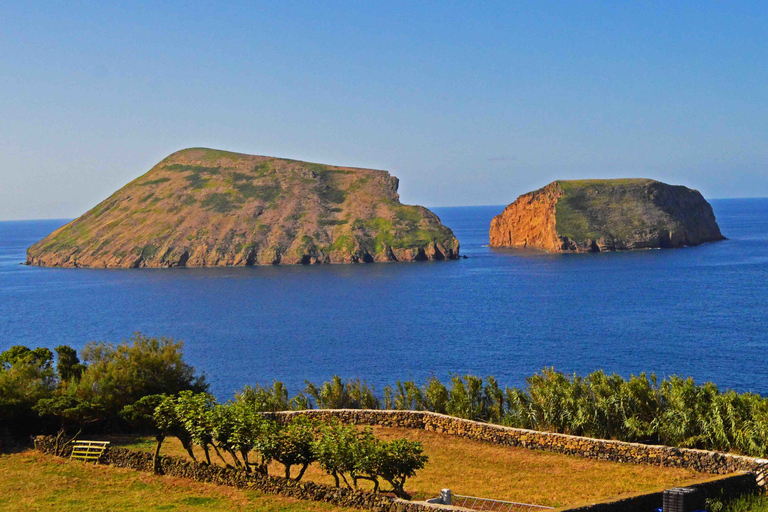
591	209
31	481
501	472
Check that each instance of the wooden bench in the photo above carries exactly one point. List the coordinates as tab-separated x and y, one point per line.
88	450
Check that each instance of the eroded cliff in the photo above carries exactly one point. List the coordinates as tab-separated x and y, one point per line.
203	207
600	215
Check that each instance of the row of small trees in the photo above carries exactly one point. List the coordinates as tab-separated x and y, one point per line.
252	441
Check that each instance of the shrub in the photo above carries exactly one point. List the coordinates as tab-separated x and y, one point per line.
119	375
26	376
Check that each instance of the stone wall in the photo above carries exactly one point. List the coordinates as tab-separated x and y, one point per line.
721	488
177	467
617	451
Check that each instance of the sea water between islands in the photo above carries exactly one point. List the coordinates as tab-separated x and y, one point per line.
699	311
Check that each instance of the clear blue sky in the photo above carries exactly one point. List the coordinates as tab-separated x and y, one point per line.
466	104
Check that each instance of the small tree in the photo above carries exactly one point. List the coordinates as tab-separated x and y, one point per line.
158	414
68	364
72	412
248	427
231	432
195	412
292	445
336	394
168	421
365	454
435	395
335	449
398	460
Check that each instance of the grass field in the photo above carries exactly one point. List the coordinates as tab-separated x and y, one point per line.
31	481
515	474
744	504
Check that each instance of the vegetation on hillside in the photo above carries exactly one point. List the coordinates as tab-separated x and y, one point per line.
592	209
89	389
202	207
672	411
144	383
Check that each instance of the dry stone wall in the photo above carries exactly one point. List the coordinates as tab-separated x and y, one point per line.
721	488
616	451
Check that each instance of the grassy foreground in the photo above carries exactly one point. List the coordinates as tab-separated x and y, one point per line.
743	504
500	472
31	481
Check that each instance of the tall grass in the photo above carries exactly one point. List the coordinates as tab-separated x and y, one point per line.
672	411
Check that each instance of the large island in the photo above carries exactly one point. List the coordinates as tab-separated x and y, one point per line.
605	215
204	207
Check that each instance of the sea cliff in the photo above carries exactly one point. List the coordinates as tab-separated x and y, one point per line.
605	215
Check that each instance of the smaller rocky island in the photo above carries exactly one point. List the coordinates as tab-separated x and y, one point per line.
606	215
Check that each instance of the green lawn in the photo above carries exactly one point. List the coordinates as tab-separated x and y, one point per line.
31	481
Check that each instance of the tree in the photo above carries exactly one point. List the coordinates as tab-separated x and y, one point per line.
335	449
158	414
119	375
195	412
397	460
248	426
292	445
26	376
71	411
18	354
336	394
167	420
68	364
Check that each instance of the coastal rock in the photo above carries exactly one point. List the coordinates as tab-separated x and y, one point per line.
606	215
203	207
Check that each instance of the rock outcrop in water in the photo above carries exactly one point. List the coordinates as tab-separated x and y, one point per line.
606	215
202	207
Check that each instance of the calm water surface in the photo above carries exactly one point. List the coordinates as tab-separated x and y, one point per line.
698	311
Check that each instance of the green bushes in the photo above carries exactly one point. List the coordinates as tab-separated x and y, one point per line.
240	430
343	451
26	376
34	396
673	411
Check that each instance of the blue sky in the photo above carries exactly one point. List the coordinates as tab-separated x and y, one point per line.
467	104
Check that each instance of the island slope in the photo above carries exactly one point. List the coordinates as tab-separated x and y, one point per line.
600	215
203	207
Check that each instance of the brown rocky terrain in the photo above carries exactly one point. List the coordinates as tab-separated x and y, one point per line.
203	207
605	215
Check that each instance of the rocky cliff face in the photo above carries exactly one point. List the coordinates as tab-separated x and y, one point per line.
202	207
605	215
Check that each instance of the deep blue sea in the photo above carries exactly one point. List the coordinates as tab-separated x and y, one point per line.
698	311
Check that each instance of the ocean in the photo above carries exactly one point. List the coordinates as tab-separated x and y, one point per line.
698	311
